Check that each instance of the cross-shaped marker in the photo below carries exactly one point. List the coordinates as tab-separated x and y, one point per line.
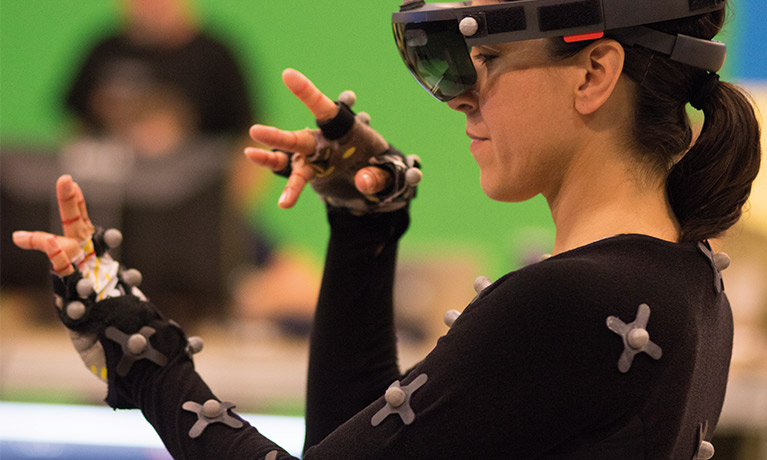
210	412
135	347
398	401
635	337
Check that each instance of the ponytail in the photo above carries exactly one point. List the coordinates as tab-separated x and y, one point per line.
710	185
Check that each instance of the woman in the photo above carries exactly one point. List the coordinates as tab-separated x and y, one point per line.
617	346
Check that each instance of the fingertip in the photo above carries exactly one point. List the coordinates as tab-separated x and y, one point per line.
20	238
254	130
287	199
260	157
371	180
290	73
364	182
78	191
64	186
262	134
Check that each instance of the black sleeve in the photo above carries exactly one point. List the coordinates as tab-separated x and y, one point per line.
353	353
162	396
528	370
160	379
353	356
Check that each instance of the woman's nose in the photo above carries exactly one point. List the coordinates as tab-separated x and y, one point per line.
466	102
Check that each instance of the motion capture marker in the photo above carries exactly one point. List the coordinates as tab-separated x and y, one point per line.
705	451
721	261
450	317
113	238
135	347
398	401
395	397
635	337
718	262
211	411
638	338
132	277
58	301
84	288
75	310
363	117
468	26
348	97
136	344
413	176
194	346
271	455
481	283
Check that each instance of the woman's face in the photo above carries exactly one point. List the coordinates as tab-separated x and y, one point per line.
519	119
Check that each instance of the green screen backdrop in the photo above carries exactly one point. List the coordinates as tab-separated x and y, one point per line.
340	45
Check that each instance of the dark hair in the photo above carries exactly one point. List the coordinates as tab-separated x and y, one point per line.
711	183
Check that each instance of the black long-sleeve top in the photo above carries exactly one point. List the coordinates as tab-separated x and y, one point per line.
529	370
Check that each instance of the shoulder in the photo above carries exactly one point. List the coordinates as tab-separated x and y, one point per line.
106	48
616	273
562	306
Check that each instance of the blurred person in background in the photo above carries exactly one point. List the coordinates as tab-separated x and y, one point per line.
161	107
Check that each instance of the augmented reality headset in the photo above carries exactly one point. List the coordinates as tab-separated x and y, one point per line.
434	39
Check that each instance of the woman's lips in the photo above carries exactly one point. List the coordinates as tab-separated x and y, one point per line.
476	141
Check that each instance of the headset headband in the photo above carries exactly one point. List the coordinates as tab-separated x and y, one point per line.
529	19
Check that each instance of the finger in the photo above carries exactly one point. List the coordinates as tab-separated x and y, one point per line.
298	179
69	208
276	161
38	241
31	240
58	257
87	224
293	141
322	107
371	180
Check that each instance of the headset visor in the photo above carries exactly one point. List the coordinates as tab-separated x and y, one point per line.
437	55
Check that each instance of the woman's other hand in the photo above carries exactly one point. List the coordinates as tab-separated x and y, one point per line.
368	180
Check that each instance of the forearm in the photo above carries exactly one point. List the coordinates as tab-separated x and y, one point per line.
353	356
148	365
163	396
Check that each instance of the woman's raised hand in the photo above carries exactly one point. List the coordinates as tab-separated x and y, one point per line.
77	227
368	180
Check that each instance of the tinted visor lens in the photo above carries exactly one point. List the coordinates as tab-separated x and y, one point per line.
437	56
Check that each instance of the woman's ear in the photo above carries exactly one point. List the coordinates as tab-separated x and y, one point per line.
601	64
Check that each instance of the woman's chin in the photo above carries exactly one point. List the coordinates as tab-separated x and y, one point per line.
504	193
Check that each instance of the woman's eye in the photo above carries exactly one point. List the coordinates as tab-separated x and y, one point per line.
484	58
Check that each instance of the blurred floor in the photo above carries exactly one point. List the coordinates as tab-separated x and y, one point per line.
255	365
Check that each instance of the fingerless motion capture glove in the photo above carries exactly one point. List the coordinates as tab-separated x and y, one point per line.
345	144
